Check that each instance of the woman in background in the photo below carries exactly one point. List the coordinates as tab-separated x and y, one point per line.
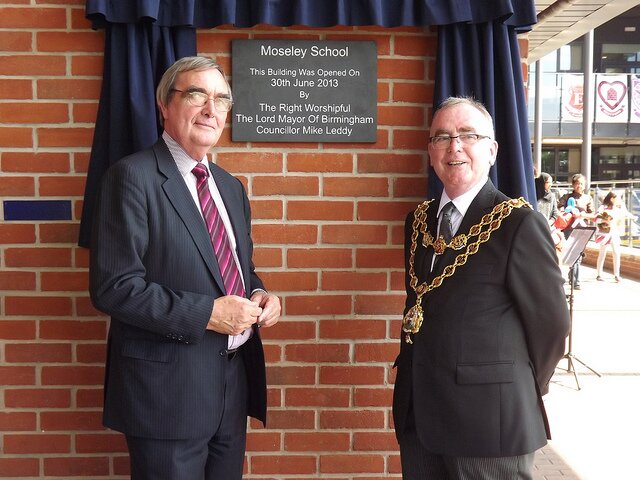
548	207
547	201
610	223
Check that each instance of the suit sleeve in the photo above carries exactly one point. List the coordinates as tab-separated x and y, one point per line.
119	281
536	285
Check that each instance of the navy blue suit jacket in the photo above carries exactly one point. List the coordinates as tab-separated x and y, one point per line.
491	338
154	271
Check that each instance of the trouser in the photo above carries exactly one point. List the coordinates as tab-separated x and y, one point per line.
420	464
216	457
615	250
574	271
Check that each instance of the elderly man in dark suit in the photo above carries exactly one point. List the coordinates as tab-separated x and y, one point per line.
485	320
171	263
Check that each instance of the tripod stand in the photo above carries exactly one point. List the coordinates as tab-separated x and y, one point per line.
569	355
576	243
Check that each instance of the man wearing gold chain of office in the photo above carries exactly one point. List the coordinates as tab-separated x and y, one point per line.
485	319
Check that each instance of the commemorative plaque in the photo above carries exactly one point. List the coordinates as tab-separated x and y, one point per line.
304	91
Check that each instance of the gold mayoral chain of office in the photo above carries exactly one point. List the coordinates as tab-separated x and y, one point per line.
489	223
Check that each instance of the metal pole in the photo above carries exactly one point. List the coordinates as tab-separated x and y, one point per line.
537	121
587	108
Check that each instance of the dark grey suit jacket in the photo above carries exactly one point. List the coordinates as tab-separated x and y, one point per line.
154	271
492	336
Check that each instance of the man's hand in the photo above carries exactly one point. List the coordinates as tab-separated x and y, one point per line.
232	315
270	305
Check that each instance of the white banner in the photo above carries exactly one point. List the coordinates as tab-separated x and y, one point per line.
572	104
635	99
611	99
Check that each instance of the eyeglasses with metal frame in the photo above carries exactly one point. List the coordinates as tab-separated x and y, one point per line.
443	141
196	98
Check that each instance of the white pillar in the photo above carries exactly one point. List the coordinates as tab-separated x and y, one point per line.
537	120
587	107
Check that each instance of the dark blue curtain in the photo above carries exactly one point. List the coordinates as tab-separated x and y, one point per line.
483	61
315	13
478	53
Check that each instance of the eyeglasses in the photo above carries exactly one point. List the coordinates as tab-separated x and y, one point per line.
200	99
443	141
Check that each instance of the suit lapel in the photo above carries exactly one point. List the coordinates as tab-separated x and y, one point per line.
432	228
482	204
178	195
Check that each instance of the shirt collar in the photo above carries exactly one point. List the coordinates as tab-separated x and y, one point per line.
463	201
183	161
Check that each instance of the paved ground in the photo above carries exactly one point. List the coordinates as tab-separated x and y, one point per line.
595	428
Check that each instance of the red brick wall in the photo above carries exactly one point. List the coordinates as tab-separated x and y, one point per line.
328	231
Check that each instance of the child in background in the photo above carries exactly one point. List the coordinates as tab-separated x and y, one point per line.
610	223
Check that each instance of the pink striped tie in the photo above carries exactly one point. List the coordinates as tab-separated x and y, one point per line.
218	234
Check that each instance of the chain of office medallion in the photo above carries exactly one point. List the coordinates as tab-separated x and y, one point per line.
493	220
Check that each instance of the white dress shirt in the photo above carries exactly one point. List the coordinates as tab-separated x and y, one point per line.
185	165
462	204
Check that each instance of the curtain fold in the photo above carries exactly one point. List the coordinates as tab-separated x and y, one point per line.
483	61
477	55
317	13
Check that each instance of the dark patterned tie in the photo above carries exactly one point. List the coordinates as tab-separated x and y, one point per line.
218	234
445	223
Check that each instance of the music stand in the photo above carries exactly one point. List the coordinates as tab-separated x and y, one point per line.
573	250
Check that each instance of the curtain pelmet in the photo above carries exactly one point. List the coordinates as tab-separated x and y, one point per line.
317	13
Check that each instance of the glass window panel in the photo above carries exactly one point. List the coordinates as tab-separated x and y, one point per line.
570	58
555	162
551	93
549	63
548	162
608	48
616	163
563	164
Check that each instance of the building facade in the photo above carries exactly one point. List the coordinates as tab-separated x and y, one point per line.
615	100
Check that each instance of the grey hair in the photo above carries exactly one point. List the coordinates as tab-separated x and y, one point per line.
472	102
164	92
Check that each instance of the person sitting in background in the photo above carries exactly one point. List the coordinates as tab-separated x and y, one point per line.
610	223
